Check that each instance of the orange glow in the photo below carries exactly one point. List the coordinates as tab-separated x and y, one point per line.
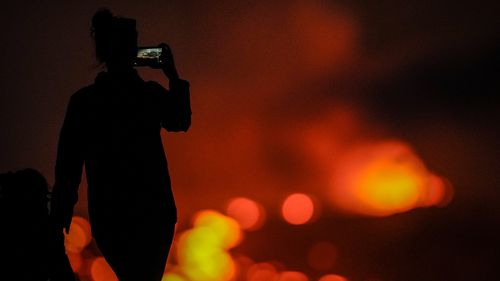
262	272
172	277
293	276
76	261
101	271
439	192
225	228
322	256
246	212
327	37
297	208
79	235
203	250
383	179
332	277
243	264
387	186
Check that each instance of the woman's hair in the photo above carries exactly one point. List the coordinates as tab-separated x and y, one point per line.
115	38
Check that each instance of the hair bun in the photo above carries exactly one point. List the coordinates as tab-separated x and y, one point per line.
102	19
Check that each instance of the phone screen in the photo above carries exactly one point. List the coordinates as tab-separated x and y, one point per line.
147	56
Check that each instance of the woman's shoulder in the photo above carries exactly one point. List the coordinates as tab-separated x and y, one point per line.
85	90
83	93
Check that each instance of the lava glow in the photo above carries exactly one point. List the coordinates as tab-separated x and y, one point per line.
79	235
75	260
332	277
101	271
297	209
248	213
226	229
383	179
293	276
172	277
262	272
203	250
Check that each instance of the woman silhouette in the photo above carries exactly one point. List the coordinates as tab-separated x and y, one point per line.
113	127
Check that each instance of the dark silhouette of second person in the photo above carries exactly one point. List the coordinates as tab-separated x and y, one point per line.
31	248
113	127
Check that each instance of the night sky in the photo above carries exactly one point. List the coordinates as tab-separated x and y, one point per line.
272	82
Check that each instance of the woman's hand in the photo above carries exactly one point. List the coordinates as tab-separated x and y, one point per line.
168	65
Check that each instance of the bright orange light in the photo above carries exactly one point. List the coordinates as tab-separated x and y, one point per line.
75	261
293	276
322	256
172	277
101	271
79	235
202	258
438	193
332	277
297	208
202	250
262	272
388	186
226	229
246	212
383	179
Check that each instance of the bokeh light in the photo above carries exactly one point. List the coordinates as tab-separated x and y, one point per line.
248	213
332	277
172	277
75	260
439	192
382	179
203	250
101	271
225	229
262	272
243	264
292	276
297	208
322	256
79	235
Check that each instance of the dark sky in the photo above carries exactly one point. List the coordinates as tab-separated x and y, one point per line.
426	72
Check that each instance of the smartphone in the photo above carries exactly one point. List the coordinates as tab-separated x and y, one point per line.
148	56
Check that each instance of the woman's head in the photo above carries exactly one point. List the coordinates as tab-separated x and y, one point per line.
115	39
